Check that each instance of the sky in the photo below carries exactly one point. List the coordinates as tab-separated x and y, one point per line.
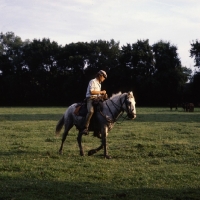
125	21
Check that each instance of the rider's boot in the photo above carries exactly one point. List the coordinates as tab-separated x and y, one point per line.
85	131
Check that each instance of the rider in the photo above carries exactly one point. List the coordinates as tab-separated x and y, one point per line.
93	91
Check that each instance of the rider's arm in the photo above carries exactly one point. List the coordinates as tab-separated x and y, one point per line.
93	92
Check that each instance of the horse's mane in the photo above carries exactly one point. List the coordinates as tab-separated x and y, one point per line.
115	95
118	94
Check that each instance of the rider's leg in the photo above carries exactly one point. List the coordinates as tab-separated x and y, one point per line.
88	116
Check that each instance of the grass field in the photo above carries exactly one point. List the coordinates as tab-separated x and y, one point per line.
155	156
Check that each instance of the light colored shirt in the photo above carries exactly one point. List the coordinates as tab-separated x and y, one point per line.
93	85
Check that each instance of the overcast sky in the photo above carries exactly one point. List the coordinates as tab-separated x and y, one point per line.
125	21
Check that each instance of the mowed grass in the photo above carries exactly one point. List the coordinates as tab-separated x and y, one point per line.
155	156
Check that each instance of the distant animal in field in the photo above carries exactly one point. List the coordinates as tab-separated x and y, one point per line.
184	106
188	107
173	105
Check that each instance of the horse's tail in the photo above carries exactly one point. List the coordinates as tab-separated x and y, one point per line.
59	125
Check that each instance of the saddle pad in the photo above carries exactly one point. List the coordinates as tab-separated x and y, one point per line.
81	110
76	112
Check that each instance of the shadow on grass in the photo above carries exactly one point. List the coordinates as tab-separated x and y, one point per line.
31	189
29	117
177	117
186	117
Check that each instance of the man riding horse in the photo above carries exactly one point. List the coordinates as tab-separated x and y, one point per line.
93	91
108	111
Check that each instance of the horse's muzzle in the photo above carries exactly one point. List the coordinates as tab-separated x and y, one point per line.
132	116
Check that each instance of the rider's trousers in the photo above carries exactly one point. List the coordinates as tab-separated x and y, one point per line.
90	109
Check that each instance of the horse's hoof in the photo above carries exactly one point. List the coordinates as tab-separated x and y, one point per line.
60	152
91	152
82	153
107	157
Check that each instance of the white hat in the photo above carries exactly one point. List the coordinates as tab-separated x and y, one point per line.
103	73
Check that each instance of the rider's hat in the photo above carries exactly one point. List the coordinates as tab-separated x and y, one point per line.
103	73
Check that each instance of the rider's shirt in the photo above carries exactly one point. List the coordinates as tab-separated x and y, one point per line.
93	85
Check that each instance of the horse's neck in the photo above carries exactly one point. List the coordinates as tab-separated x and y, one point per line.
115	106
117	101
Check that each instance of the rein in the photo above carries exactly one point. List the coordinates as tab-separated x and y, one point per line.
118	108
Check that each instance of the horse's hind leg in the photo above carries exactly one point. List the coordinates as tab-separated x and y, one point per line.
79	140
63	140
67	128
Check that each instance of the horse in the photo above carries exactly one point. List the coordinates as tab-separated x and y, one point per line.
102	120
188	107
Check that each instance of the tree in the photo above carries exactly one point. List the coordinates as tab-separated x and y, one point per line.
41	72
10	53
137	68
195	87
11	67
40	61
103	55
169	74
195	52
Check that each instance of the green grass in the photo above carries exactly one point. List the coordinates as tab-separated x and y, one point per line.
155	156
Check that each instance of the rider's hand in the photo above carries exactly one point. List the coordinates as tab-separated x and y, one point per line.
103	92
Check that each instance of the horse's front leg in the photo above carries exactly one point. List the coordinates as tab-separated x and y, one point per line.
104	143
79	140
93	151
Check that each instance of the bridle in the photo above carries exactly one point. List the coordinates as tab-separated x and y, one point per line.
119	108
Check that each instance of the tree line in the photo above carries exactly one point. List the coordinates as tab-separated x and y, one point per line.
43	73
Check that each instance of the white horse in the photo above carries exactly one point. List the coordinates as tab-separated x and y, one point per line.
102	121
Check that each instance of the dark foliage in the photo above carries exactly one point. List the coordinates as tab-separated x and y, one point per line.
43	73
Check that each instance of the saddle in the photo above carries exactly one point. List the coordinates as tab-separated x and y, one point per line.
81	108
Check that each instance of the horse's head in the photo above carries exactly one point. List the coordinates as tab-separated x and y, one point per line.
129	105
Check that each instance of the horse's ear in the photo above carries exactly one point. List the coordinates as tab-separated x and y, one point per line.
130	93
